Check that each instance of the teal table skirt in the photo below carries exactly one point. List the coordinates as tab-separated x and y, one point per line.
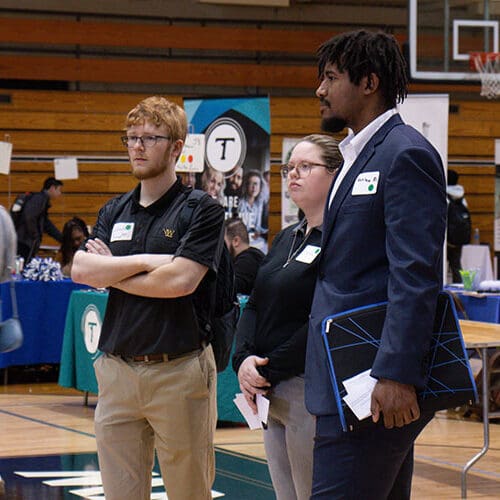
227	387
81	335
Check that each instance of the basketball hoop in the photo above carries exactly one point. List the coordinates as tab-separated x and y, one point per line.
487	64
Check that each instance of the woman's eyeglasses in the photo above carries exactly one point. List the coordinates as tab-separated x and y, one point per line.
303	169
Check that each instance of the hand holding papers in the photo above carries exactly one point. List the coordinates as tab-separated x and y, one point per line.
359	394
352	339
254	421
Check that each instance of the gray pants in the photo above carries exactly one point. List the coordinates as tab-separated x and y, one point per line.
289	441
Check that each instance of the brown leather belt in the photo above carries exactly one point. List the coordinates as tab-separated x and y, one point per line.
157	358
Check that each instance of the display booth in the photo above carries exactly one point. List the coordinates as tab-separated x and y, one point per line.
82	329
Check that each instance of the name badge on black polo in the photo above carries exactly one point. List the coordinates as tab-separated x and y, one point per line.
309	254
122	231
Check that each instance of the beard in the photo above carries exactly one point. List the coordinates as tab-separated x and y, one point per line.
142	174
155	167
333	124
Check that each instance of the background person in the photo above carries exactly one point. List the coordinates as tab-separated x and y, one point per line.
35	220
234	183
8	245
266	185
156	378
188	179
252	209
213	182
246	259
233	192
74	233
383	239
272	332
455	193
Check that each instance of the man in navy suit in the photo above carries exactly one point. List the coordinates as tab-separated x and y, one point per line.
383	235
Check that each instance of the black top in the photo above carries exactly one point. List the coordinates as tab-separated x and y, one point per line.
136	325
35	221
246	264
275	320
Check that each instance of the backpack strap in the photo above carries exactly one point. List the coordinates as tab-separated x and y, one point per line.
184	221
186	213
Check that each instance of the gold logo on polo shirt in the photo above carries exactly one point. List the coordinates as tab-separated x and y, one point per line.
169	233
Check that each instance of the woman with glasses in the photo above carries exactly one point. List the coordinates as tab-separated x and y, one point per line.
271	336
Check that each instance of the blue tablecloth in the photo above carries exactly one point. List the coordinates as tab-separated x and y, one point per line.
481	307
42	311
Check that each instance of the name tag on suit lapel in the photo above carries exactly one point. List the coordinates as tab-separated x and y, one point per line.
365	183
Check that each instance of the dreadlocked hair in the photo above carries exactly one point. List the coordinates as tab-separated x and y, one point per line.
363	53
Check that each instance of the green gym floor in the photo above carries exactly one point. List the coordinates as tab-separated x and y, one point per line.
76	476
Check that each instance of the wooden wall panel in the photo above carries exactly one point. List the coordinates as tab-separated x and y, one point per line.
484	127
298	107
65	142
61	120
80	102
19	167
479	185
266	38
296	125
472	110
75	204
87	124
168	72
161	36
471	147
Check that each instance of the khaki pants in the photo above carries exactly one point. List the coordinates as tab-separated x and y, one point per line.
170	406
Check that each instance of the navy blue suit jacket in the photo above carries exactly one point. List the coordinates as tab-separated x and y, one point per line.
386	245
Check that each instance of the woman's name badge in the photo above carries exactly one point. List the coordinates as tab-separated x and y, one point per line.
309	253
122	231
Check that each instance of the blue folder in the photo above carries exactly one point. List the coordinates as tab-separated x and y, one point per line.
352	339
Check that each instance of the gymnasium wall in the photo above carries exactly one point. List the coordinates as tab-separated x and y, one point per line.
47	124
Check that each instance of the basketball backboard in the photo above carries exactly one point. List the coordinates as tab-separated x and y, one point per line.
442	34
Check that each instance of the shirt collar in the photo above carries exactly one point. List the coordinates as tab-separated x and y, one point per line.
161	204
358	141
301	227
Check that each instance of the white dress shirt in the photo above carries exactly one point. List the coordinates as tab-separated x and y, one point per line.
353	144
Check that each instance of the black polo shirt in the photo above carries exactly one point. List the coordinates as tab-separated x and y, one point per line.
135	325
275	320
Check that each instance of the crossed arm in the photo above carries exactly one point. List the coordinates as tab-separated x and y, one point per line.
147	275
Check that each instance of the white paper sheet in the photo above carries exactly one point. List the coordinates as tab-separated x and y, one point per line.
66	168
192	157
254	421
359	393
5	156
